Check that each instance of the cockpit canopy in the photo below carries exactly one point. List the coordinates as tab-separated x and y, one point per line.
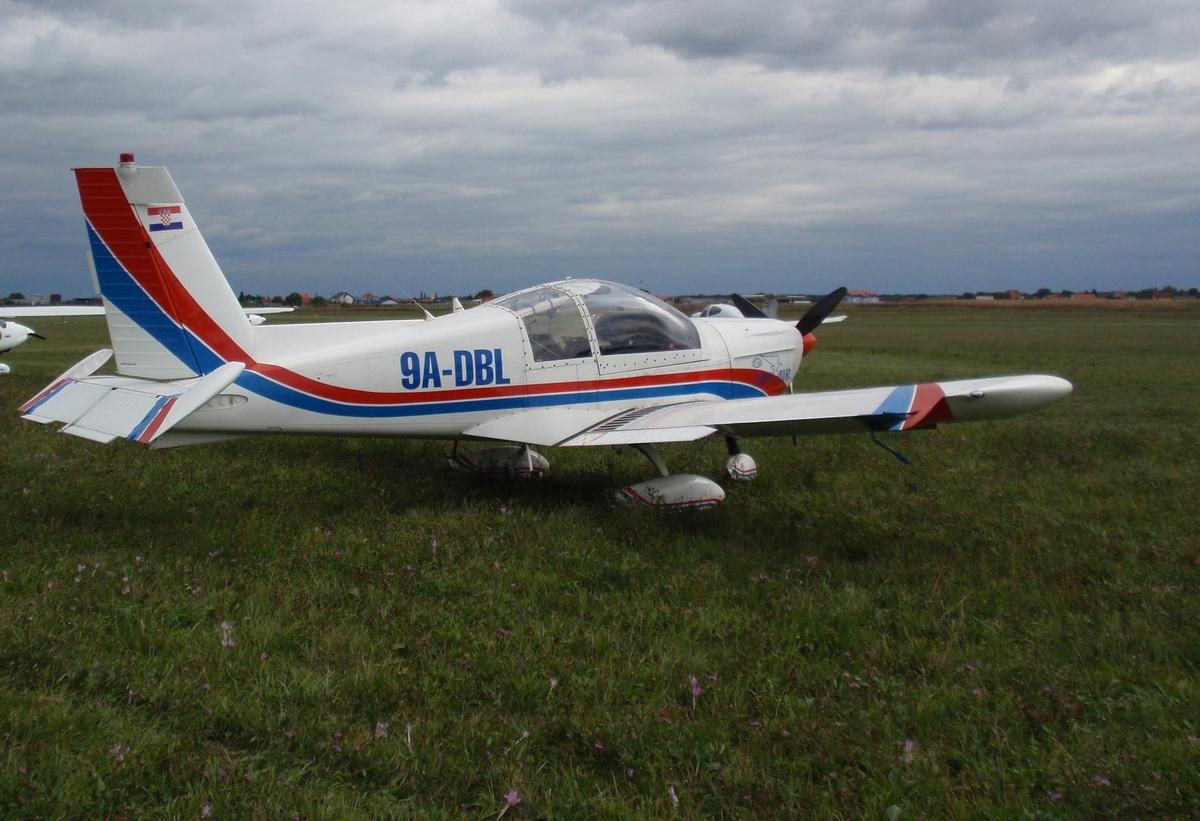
625	320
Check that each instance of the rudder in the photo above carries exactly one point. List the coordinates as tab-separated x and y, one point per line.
170	310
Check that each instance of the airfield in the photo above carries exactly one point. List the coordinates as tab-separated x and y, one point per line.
326	628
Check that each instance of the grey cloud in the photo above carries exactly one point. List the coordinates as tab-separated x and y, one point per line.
931	36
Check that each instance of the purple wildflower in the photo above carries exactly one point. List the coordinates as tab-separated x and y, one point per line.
909	747
381	728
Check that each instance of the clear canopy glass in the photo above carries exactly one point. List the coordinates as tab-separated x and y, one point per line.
625	320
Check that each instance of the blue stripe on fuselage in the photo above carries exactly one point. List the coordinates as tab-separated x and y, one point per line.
433	406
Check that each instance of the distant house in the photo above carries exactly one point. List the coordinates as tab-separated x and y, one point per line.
862	296
342	298
368	299
1084	297
1163	295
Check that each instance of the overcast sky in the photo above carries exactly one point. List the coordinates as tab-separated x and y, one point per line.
448	146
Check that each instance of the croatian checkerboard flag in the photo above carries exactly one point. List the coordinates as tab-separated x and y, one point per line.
168	217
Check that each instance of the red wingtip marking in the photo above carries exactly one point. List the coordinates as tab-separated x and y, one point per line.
929	407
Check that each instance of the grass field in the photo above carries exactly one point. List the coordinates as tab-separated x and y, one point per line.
316	628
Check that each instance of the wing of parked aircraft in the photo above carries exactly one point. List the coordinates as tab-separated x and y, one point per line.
26	311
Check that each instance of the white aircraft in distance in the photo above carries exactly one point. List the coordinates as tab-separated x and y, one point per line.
13	334
740	307
564	364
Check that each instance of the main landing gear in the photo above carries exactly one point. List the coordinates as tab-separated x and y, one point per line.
507	462
685	490
666	491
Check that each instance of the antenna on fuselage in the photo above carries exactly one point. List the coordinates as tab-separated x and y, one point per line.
428	316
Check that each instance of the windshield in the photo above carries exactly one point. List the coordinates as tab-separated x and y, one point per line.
631	321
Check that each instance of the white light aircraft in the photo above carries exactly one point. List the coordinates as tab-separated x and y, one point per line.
740	307
13	334
564	364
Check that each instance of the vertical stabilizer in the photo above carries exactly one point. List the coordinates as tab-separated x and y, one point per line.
170	310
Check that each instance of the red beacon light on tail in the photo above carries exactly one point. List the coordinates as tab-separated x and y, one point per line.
126	170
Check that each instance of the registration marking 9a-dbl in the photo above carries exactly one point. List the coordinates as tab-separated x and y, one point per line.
479	367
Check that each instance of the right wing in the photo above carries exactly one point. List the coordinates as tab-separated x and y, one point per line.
905	407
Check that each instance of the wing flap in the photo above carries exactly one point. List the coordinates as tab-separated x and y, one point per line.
541	426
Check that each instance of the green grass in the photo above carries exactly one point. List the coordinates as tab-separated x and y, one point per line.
1006	628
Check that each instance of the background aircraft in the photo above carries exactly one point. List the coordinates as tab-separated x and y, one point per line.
14	334
567	364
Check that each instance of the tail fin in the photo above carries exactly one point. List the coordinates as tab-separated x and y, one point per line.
170	310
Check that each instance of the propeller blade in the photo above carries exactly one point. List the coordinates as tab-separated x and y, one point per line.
747	307
36	335
817	313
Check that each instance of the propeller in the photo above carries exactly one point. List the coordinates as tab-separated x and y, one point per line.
748	308
817	313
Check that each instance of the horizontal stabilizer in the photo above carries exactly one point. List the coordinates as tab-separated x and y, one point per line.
102	408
